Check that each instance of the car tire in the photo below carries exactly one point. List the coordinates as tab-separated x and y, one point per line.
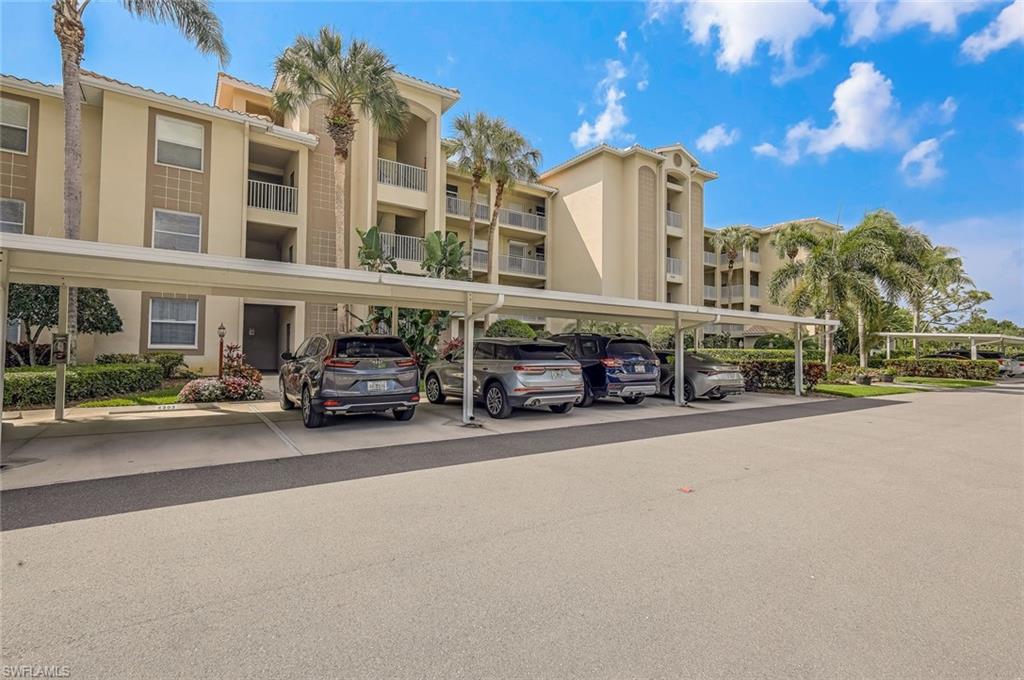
588	395
635	399
561	408
496	400
432	386
310	417
672	390
286	403
688	392
404	414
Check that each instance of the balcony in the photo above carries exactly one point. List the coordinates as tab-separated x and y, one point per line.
710	259
401	175
724	260
673	219
511	264
525	318
709	293
737	294
529	221
674	268
457	207
479	260
731	329
402	247
755	292
275	197
755	257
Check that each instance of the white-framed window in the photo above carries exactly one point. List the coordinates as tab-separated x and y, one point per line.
173	230
12	216
173	323
13	125
179	143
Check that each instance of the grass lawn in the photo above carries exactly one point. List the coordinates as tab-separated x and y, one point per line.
162	395
952	383
861	390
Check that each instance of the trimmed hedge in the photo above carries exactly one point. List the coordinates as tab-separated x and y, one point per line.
778	374
511	328
168	361
980	369
740	355
91	381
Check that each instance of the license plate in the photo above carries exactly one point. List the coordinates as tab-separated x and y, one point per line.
376	386
639	369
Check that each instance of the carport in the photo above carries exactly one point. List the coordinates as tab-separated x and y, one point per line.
974	339
89	264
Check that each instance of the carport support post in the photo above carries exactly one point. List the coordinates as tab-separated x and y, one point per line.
62	327
680	379
974	349
467	364
3	319
888	347
798	358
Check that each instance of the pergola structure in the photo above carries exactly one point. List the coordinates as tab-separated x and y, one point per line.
89	264
975	339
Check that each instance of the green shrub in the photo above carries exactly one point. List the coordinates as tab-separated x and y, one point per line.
120	358
774	341
981	369
840	374
740	355
845	360
778	374
510	328
168	361
37	387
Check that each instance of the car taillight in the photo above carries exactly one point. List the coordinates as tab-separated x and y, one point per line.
340	363
576	370
531	370
405	363
611	363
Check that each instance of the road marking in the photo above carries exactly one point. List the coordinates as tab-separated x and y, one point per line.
276	430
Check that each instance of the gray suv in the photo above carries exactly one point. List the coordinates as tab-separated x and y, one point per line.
330	374
508	373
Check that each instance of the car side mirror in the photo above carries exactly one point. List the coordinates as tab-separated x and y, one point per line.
287	356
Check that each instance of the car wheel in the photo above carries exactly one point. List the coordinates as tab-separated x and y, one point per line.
588	394
433	388
672	390
286	403
310	418
404	414
561	408
716	397
496	401
687	392
635	399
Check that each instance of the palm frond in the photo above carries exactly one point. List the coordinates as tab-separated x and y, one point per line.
194	18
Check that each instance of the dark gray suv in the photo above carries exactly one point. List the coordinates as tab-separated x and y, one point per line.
337	374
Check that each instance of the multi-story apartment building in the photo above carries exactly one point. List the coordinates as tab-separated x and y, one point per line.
231	178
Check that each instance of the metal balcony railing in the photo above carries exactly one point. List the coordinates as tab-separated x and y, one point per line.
755	292
737	293
511	264
755	257
515	218
673	266
402	247
276	197
709	293
454	205
724	260
723	329
709	258
401	175
673	219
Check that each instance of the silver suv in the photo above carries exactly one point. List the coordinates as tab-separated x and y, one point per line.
509	373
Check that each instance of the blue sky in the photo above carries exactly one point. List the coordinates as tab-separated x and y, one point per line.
825	108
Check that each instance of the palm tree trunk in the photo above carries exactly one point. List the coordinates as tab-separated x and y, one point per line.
861	339
492	235
340	226
473	189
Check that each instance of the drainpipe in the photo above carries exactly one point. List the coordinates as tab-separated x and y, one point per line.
467	355
62	328
798	370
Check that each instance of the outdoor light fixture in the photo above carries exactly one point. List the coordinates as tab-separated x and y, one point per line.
221	332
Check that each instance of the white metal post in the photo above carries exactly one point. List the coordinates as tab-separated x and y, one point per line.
3	319
680	358
798	356
62	327
467	364
888	347
974	349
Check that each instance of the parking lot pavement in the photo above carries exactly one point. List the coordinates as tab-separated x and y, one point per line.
879	538
100	446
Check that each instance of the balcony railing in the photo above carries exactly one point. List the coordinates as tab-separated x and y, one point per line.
479	260
525	318
673	266
737	293
402	247
723	329
709	258
709	293
515	218
454	205
673	219
755	257
276	197
755	292
724	260
401	175
511	264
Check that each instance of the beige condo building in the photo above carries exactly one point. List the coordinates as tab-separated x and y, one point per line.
229	178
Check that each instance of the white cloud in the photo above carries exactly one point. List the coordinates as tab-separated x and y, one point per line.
1019	125
641	85
874	19
947	109
863	19
865	116
620	40
611	122
1003	31
921	164
716	137
741	28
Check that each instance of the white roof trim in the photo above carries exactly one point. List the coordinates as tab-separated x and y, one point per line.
986	338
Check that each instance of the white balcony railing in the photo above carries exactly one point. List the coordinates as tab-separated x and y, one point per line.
737	293
460	208
724	260
755	257
525	318
515	218
479	260
402	247
276	197
723	329
709	293
511	264
673	266
755	292
401	175
709	258
673	219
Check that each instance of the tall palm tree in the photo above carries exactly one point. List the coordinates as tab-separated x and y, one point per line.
197	23
349	81
787	240
471	151
513	160
731	242
938	267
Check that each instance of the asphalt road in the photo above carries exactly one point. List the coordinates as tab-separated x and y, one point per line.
881	542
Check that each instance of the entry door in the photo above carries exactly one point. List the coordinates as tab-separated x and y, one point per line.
260	337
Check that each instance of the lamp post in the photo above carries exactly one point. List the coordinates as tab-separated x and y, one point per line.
221	332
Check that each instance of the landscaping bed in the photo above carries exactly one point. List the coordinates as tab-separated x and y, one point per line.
167	393
862	390
950	383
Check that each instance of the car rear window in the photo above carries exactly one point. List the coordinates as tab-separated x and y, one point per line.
541	353
630	348
370	347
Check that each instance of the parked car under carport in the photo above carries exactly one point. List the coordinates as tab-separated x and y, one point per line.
706	376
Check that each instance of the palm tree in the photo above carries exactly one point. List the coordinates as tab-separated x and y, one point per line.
731	242
349	81
939	267
197	23
471	151
513	160
787	240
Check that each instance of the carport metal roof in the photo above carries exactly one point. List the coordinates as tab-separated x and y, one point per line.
977	338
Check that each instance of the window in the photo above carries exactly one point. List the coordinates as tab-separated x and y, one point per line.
174	230
389	348
630	348
12	216
590	347
755	308
504	353
179	143
542	352
13	125
451	190
483	350
173	323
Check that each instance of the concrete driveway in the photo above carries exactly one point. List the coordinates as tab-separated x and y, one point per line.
876	538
